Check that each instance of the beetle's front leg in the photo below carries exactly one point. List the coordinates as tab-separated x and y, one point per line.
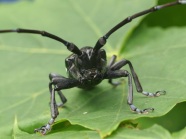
118	65
57	83
123	73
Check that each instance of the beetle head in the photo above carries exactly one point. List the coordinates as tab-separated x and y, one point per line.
91	65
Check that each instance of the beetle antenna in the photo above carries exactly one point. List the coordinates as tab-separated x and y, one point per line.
70	46
102	41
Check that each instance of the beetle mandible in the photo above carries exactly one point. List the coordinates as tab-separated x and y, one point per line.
87	67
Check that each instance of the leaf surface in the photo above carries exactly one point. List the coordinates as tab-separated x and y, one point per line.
154	132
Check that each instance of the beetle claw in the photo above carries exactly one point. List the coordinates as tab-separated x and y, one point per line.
43	130
162	92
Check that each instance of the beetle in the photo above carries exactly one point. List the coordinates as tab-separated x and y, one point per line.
87	67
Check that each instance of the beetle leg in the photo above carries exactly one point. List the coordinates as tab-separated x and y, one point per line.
57	83
63	99
125	73
112	61
110	81
54	112
118	65
61	96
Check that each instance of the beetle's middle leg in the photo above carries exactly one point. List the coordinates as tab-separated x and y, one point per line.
57	83
118	65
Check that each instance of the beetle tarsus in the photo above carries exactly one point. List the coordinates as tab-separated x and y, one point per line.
43	130
139	111
156	94
46	128
161	92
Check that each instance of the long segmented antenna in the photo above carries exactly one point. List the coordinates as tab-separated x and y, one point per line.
70	46
102	41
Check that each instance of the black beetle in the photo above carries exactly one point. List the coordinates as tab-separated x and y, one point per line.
87	67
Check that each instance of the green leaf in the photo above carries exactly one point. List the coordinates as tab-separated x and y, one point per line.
180	135
173	121
26	61
163	19
154	132
67	131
